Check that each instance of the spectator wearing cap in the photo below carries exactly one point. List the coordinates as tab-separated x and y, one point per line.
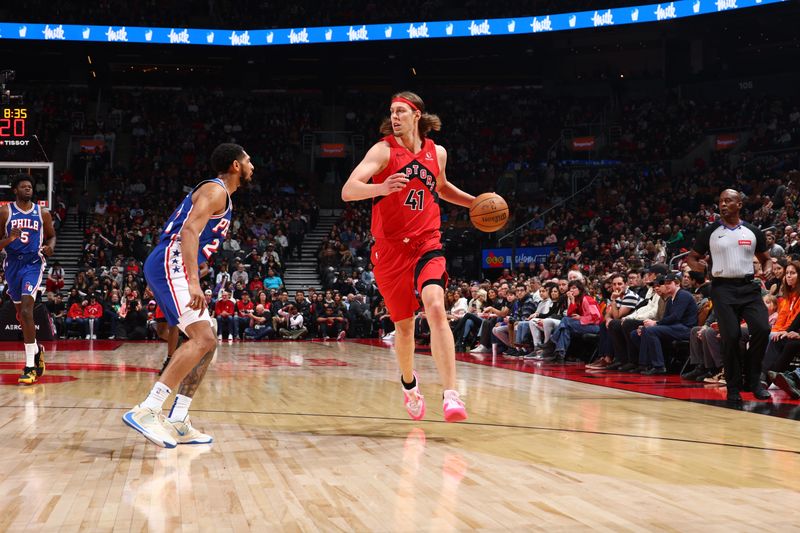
241	320
93	313
680	316
651	307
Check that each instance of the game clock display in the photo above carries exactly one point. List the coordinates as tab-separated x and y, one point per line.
13	122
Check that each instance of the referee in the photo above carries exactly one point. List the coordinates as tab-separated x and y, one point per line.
736	295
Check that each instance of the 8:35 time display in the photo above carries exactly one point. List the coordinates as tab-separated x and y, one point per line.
13	122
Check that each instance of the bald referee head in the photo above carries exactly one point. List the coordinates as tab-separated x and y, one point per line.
730	204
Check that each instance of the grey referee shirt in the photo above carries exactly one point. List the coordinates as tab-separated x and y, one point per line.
732	249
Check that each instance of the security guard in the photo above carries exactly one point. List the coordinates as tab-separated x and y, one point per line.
732	243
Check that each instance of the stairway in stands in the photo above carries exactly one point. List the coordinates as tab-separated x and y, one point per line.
69	248
300	275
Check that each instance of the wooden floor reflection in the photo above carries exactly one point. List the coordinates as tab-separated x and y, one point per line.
314	437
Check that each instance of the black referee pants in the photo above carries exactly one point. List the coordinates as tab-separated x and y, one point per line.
735	300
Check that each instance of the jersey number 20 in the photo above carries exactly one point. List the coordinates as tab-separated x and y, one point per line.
415	200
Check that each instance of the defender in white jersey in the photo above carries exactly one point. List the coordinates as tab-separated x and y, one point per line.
172	271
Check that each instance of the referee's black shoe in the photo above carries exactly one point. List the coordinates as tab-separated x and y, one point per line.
734	396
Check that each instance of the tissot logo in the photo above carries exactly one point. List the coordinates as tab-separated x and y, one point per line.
14	142
418	32
296	37
53	33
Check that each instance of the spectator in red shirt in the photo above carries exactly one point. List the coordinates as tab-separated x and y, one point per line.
92	313
75	316
244	310
255	285
224	311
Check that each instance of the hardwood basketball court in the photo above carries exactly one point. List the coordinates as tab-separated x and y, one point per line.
312	436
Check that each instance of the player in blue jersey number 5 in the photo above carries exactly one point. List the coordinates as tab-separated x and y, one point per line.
27	235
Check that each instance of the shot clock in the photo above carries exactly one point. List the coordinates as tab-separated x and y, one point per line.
13	122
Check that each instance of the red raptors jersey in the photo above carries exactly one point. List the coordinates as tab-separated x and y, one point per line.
414	211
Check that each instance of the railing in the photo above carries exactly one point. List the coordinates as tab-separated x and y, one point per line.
543	213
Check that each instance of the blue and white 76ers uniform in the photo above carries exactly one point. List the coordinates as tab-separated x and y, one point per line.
164	268
24	264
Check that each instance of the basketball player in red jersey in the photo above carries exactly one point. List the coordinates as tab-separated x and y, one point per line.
407	174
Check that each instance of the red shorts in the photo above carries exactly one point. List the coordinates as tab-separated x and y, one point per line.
159	315
403	269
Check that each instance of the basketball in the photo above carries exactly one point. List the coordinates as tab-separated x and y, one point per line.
488	212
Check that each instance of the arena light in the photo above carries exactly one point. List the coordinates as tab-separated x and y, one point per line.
377	32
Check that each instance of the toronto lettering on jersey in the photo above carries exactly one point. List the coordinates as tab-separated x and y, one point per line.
415	170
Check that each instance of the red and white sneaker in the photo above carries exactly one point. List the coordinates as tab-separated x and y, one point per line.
453	407
414	401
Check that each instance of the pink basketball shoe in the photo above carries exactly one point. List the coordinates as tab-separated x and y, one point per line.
414	401
453	407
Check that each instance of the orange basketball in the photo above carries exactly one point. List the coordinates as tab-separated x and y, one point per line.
488	212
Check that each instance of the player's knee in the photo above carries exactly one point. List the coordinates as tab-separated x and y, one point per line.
404	327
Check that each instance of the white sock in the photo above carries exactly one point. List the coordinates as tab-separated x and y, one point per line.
180	409
157	396
30	354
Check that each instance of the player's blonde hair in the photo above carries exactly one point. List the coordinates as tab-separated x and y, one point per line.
427	122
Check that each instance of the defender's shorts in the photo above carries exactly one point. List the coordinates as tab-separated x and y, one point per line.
166	277
403	269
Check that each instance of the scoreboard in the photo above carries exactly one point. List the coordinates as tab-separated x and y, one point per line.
13	123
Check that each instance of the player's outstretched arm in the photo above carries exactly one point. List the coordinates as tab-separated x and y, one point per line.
357	186
49	233
446	190
209	200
